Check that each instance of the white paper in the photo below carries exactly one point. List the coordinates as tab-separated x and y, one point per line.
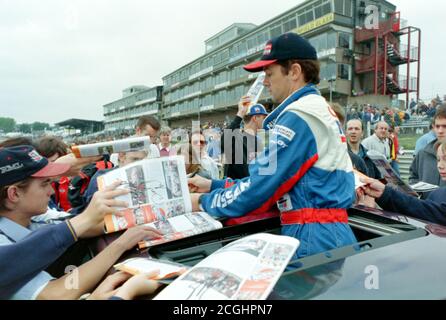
182	226
424	187
110	147
256	89
246	269
146	265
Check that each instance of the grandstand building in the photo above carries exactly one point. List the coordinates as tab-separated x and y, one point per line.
357	64
135	102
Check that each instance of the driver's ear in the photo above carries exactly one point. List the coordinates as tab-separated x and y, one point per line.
13	194
296	71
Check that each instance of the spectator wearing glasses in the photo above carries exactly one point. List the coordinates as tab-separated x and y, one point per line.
208	164
146	126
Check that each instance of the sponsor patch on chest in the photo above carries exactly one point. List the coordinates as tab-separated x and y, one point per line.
284	132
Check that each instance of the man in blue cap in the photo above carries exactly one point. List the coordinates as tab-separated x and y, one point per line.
241	146
313	182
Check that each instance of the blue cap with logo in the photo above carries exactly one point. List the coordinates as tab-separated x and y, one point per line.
257	110
22	162
285	47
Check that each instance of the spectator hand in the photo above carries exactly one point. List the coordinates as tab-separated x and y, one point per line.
126	286
199	184
91	221
132	236
194	197
243	106
138	285
108	287
373	188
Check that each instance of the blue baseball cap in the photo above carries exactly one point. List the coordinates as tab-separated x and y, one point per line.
22	162
285	47
257	110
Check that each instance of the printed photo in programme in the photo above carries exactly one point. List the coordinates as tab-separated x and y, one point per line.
105	150
205	279
175	208
253	247
158	212
136	145
136	180
172	177
156	191
139	216
164	226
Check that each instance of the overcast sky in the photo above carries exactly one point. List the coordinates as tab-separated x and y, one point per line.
63	59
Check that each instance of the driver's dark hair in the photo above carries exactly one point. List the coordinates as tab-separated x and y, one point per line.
310	68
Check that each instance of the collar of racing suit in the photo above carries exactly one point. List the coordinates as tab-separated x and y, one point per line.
270	120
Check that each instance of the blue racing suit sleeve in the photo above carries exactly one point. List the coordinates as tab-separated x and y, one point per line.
292	152
34	253
428	210
221	184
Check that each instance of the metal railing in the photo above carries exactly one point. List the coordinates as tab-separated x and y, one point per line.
405	162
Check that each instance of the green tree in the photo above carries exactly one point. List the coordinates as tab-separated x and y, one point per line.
39	126
7	124
24	127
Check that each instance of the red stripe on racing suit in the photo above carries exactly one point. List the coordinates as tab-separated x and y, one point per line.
311	215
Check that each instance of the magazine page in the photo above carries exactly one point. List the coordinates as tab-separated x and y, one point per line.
255	91
424	187
166	269
158	191
389	174
358	176
110	147
182	226
246	269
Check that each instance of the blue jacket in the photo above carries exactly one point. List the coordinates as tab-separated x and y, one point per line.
432	209
22	260
306	170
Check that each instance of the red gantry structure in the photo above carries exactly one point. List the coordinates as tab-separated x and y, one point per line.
384	54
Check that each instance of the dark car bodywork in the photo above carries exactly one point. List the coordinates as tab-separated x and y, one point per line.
396	257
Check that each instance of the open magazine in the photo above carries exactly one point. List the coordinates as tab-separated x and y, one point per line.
246	269
110	147
389	174
159	197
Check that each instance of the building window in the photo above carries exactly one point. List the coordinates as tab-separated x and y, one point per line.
326	8
331	40
251	42
348	8
328	70
290	25
309	15
262	38
339	6
345	40
343	7
344	71
276	31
